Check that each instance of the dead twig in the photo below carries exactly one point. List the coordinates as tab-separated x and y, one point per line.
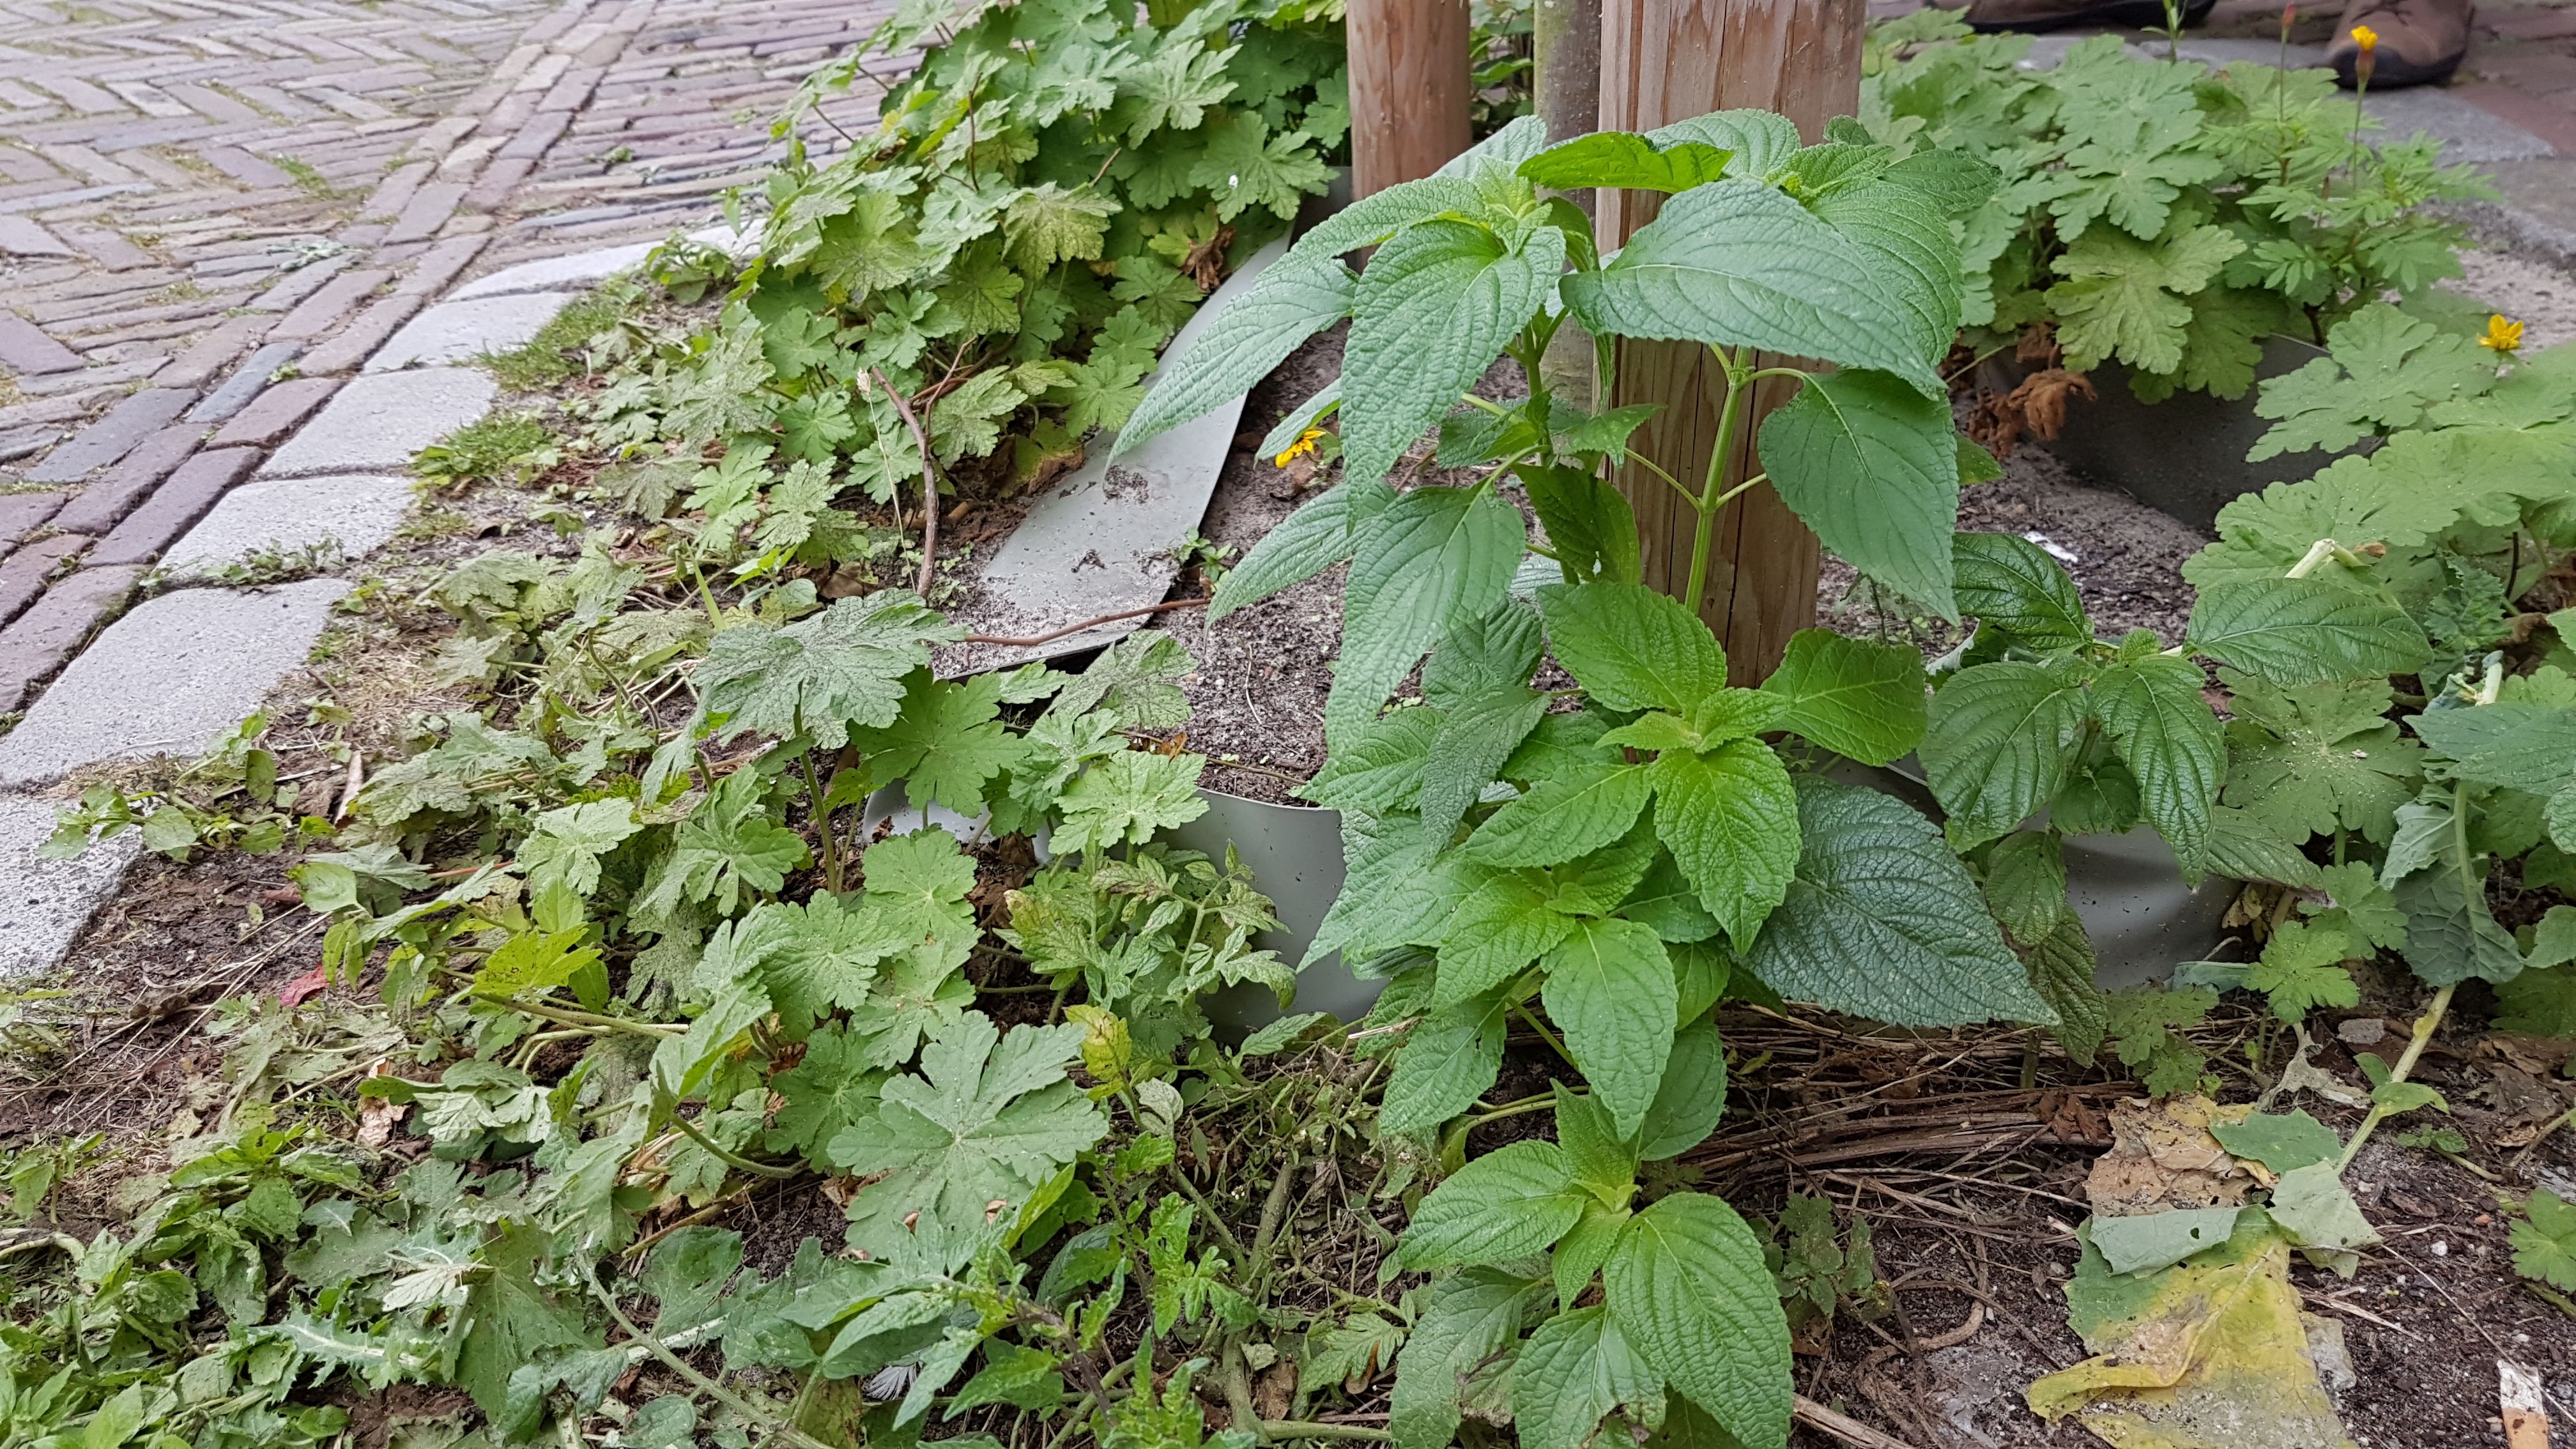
929	483
1842	1426
1069	629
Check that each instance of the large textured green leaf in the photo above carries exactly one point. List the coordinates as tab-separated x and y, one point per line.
2451	935
1688	1288
1499	930
1509	1203
1467	1318
1623	158
1439	558
2013	587
1289	301
1759	141
1589	523
1574	1369
2002	739
821	675
1692	1098
1580	809
1737	264
1431	313
2527	746
1377	770
1855	697
1872	465
1882	921
2301	631
1730	818
1449	1061
2173	744
1904	227
1306	542
1610	989
1480	733
1632	647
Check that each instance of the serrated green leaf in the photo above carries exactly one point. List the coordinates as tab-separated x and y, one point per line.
1589	523
1568	814
1692	1098
1882	921
1855	697
2384	370
1243	342
1623	158
1632	647
1610	989
1127	798
1872	465
2012	586
1448	1061
1508	1204
1574	1369
990	1118
1475	739
1498	931
1378	770
1737	264
1730	818
2002	740
1433	310
2171	741
2504	743
1467	1318
1689	1289
1440	558
823	1095
2300	631
821	675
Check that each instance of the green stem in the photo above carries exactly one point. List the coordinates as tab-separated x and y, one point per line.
1545	1035
708	1386
730	1159
1307	1429
1730	410
2425	1026
569	1017
823	826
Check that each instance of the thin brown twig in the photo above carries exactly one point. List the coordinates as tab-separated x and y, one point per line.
1069	629
1842	1426
929	482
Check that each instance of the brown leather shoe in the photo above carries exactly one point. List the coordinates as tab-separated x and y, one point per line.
2417	42
1987	16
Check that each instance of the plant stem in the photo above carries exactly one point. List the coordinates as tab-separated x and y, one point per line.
2425	1026
1545	1035
708	1386
728	1158
1308	1429
569	1017
1729	412
823	827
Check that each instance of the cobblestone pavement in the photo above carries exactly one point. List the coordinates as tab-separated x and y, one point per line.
213	211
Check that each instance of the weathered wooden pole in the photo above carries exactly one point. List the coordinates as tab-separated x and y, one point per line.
1408	89
1663	61
1565	70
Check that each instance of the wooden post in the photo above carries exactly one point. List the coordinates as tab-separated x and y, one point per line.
1664	61
1408	89
1565	66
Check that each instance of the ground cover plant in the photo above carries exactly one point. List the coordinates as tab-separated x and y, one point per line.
658	933
2157	214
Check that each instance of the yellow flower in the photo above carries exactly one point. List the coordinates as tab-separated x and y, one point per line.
2503	334
2366	38
1303	447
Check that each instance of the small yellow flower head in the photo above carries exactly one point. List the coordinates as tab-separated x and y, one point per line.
1304	446
2503	335
2366	38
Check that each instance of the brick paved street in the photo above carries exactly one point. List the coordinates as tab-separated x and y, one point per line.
213	211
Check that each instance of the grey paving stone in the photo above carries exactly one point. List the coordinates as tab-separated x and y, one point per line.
38	641
168	677
376	423
114	435
26	348
426	211
44	904
358	513
176	504
275	412
580	269
457	331
102	503
23	238
211	353
316	315
23	513
247	382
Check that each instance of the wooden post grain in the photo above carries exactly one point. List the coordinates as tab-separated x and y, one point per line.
1664	61
1408	89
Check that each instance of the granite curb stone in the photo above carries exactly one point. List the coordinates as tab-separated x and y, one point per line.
360	513
44	904
168	677
377	422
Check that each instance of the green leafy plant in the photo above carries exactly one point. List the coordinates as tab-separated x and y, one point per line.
2157	214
